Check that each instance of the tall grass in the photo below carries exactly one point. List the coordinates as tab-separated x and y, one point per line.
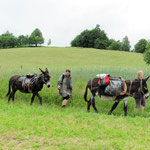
49	127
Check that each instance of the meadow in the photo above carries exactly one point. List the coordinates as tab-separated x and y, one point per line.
49	126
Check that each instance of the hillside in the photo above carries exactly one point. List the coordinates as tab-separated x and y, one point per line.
49	126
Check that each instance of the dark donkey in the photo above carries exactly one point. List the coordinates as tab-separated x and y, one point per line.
16	83
132	86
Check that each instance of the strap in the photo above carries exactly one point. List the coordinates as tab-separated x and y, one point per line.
63	76
116	90
129	89
110	89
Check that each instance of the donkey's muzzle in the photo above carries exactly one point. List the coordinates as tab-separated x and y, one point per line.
49	86
147	95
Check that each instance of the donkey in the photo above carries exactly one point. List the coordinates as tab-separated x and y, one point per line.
132	87
17	83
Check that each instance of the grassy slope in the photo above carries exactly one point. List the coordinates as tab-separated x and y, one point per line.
50	127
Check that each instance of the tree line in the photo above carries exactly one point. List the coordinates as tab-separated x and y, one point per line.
97	38
8	40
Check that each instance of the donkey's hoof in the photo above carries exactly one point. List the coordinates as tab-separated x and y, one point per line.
109	113
96	112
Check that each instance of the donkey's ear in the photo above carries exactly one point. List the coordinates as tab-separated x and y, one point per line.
46	70
147	78
41	70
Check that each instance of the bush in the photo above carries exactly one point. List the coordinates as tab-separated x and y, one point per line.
115	45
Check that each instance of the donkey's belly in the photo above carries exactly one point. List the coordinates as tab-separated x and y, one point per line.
23	91
108	98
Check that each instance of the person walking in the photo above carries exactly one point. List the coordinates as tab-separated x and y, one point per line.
138	96
65	87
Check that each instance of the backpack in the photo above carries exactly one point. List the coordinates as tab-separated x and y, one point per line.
63	76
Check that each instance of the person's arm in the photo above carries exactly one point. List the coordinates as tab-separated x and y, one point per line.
59	82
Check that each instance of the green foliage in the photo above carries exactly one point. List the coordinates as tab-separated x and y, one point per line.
100	44
36	37
23	40
8	40
95	38
147	54
114	45
140	46
125	44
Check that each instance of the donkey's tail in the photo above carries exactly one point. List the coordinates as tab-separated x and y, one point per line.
85	94
9	89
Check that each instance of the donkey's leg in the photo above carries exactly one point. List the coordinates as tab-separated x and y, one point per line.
93	103
13	94
10	96
32	99
88	105
40	98
113	107
125	101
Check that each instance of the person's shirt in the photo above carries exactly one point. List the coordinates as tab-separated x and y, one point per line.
67	80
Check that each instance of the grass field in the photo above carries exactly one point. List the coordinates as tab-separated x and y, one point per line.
49	126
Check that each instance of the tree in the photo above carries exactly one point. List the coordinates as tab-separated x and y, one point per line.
147	54
100	44
49	42
95	38
36	37
114	45
23	40
140	46
8	40
125	44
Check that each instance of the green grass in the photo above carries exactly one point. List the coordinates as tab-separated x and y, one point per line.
49	126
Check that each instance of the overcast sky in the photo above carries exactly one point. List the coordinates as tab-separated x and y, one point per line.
62	20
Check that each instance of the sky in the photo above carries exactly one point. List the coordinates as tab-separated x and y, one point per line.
62	20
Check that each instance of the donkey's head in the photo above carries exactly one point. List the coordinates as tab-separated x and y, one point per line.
141	86
45	77
144	88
